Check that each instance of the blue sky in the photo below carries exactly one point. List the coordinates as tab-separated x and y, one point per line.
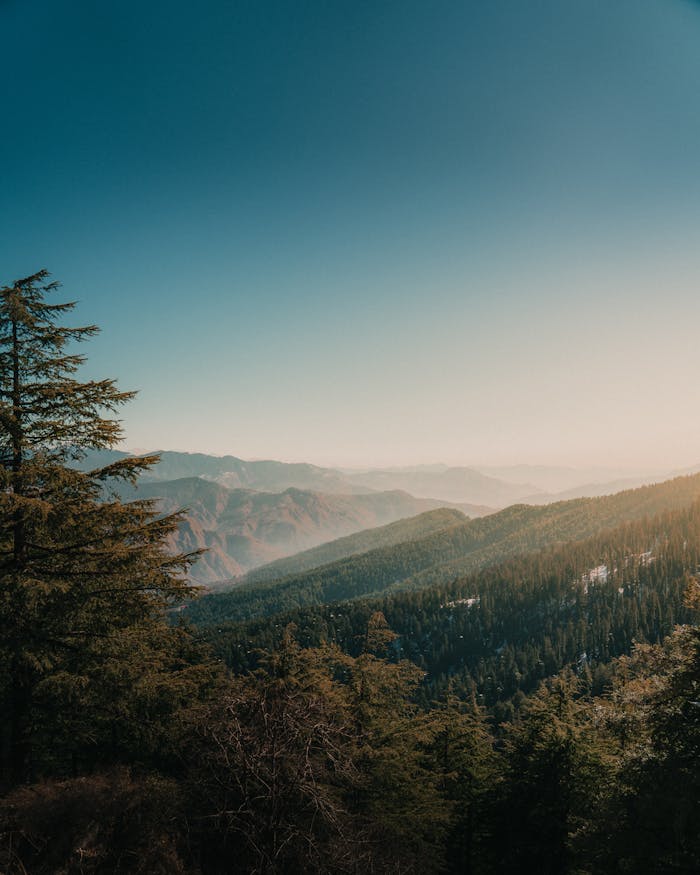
368	233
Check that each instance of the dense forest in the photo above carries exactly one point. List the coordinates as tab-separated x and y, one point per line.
539	714
445	555
498	632
403	530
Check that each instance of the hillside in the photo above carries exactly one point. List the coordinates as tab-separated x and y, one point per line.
446	555
235	473
382	536
243	528
500	630
449	485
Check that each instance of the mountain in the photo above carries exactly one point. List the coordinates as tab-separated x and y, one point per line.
594	490
448	554
483	488
382	536
452	485
242	528
559	480
449	484
498	631
234	473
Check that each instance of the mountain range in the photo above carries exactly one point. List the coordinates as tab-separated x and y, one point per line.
241	529
492	487
246	514
436	558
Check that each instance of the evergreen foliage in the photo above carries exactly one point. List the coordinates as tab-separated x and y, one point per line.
437	559
653	712
83	581
554	777
540	714
500	632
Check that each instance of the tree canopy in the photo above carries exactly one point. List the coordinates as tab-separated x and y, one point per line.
540	714
84	578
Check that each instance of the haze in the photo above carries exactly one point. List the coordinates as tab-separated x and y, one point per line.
370	234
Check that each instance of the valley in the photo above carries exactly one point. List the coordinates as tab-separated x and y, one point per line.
248	514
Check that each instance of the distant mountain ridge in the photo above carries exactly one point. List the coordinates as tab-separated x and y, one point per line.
593	490
241	528
351	545
443	556
235	473
450	485
485	488
559	480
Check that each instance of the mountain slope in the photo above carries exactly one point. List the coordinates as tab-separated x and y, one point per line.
498	631
242	528
382	536
443	556
452	485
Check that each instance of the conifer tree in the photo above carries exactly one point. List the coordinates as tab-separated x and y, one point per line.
554	774
84	578
272	764
462	756
654	710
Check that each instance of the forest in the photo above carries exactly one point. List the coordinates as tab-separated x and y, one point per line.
538	711
497	633
443	556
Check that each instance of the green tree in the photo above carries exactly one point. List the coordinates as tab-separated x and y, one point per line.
399	794
84	578
654	711
463	759
555	776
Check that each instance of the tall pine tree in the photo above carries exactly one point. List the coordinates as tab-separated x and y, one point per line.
84	578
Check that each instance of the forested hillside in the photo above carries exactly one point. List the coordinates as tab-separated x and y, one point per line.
539	714
241	529
445	555
498	632
381	536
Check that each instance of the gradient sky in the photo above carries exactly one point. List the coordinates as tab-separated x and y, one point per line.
370	232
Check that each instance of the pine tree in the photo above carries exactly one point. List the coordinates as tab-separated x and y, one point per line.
398	794
554	775
463	758
654	710
84	578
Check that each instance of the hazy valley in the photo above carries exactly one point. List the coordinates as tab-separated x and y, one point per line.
428	559
408	293
245	514
241	529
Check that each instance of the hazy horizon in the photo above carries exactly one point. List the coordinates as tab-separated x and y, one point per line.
371	235
387	463
560	458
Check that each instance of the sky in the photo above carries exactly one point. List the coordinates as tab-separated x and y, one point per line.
370	233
